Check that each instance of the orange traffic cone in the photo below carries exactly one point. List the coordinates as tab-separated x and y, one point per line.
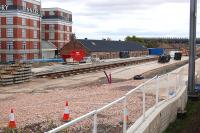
66	113
12	123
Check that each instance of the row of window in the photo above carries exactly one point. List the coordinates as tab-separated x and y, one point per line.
53	13
24	4
9	21
10	45
52	27
10	33
10	57
52	36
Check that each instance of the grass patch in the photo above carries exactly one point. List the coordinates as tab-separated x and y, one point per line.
179	125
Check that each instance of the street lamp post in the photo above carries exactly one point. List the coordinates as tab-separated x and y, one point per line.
192	43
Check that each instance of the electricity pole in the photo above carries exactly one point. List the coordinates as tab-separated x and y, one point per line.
192	43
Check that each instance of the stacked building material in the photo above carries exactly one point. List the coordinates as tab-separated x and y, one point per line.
15	74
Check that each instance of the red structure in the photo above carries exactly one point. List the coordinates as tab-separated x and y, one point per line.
20	30
77	55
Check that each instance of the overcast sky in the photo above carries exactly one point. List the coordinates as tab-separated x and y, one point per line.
97	19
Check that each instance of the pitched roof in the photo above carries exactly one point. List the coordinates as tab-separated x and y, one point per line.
46	45
110	46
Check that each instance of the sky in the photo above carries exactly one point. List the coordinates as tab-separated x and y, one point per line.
116	19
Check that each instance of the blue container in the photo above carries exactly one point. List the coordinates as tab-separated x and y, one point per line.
44	60
197	87
156	51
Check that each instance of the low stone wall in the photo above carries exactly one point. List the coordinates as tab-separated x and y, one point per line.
162	116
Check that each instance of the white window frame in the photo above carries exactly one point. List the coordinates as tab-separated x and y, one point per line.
61	36
51	13
10	45
52	35
9	57
24	45
24	33
10	32
23	56
35	55
9	20
35	34
9	2
35	45
43	35
51	27
35	23
24	4
23	21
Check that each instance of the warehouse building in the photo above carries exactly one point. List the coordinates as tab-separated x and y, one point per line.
20	30
104	49
56	26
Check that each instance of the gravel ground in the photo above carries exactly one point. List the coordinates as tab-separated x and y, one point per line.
37	107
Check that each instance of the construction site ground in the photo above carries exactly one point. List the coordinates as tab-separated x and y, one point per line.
44	99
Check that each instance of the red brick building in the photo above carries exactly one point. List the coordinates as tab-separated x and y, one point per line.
20	22
56	26
104	49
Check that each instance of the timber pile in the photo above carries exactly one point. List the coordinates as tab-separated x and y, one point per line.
15	74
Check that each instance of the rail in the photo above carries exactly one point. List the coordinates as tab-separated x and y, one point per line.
149	89
104	65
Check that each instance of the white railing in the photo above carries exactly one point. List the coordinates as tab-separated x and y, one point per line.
157	89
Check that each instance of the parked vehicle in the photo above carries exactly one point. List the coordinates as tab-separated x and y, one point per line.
178	56
164	58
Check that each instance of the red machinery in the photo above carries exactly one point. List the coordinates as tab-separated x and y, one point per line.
76	55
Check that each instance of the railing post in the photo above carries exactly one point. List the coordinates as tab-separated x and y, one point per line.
168	85
95	123
157	90
125	115
143	102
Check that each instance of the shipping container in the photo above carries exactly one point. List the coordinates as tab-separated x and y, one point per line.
156	51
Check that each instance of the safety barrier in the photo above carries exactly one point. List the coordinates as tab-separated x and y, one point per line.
119	115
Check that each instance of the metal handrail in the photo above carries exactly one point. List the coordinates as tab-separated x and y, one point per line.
62	127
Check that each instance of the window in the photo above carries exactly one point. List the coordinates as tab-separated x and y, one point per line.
35	7
35	45
23	21
51	26
9	57
43	27
24	5
61	13
68	37
23	56
9	32
35	34
35	23
9	2
52	35
23	33
52	13
61	36
67	28
10	45
35	56
23	45
10	20
43	35
61	27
